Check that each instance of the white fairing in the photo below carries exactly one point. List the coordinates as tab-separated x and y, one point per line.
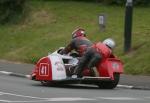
58	69
73	61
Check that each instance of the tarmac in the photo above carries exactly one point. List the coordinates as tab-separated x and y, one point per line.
136	81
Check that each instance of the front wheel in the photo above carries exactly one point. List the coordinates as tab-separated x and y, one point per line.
110	84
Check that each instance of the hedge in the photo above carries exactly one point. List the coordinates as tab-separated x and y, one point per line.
10	10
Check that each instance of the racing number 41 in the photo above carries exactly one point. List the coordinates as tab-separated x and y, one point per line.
44	69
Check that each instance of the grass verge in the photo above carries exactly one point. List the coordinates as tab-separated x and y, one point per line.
49	26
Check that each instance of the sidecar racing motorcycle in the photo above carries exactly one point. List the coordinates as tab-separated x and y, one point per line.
56	69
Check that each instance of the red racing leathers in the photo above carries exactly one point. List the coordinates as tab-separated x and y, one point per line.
102	49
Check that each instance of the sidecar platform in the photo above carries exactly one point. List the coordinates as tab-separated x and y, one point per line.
85	79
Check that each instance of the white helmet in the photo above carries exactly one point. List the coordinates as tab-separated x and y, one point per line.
109	42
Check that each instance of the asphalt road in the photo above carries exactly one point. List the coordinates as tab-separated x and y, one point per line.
21	90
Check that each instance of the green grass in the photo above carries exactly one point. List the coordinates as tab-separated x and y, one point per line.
49	26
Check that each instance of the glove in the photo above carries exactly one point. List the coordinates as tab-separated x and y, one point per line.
61	51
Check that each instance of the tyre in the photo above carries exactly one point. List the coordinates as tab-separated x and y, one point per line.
110	84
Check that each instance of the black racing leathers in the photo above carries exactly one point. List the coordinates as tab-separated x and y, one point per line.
88	60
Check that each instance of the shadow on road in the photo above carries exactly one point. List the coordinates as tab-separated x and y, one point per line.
71	86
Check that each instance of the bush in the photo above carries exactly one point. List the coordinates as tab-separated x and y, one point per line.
122	2
11	10
141	2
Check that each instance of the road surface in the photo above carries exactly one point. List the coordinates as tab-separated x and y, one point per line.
22	90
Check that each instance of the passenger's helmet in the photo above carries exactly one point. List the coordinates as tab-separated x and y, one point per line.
78	32
110	43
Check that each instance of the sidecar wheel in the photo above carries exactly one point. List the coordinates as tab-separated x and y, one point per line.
110	84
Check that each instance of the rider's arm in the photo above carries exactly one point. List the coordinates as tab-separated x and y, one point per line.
68	48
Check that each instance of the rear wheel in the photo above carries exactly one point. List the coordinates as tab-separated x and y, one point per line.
110	84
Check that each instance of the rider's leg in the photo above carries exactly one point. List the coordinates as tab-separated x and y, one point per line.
83	63
96	57
93	62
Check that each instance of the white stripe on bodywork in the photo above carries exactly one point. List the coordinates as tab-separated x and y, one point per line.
58	69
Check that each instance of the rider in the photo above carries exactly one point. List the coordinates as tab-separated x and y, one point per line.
79	42
98	52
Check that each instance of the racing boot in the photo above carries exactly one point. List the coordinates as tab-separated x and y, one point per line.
78	72
72	70
95	72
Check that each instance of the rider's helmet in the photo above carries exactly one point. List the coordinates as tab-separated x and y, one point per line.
110	43
78	32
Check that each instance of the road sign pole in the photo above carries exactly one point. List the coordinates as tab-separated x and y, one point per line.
128	26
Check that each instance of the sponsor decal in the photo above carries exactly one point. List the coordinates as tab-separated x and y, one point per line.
115	65
59	66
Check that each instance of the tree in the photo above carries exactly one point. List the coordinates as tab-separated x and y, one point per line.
10	9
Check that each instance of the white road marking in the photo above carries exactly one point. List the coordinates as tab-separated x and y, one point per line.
36	101
119	98
4	101
147	97
22	95
56	100
48	100
124	86
43	99
70	99
5	72
51	99
1	94
28	76
59	99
